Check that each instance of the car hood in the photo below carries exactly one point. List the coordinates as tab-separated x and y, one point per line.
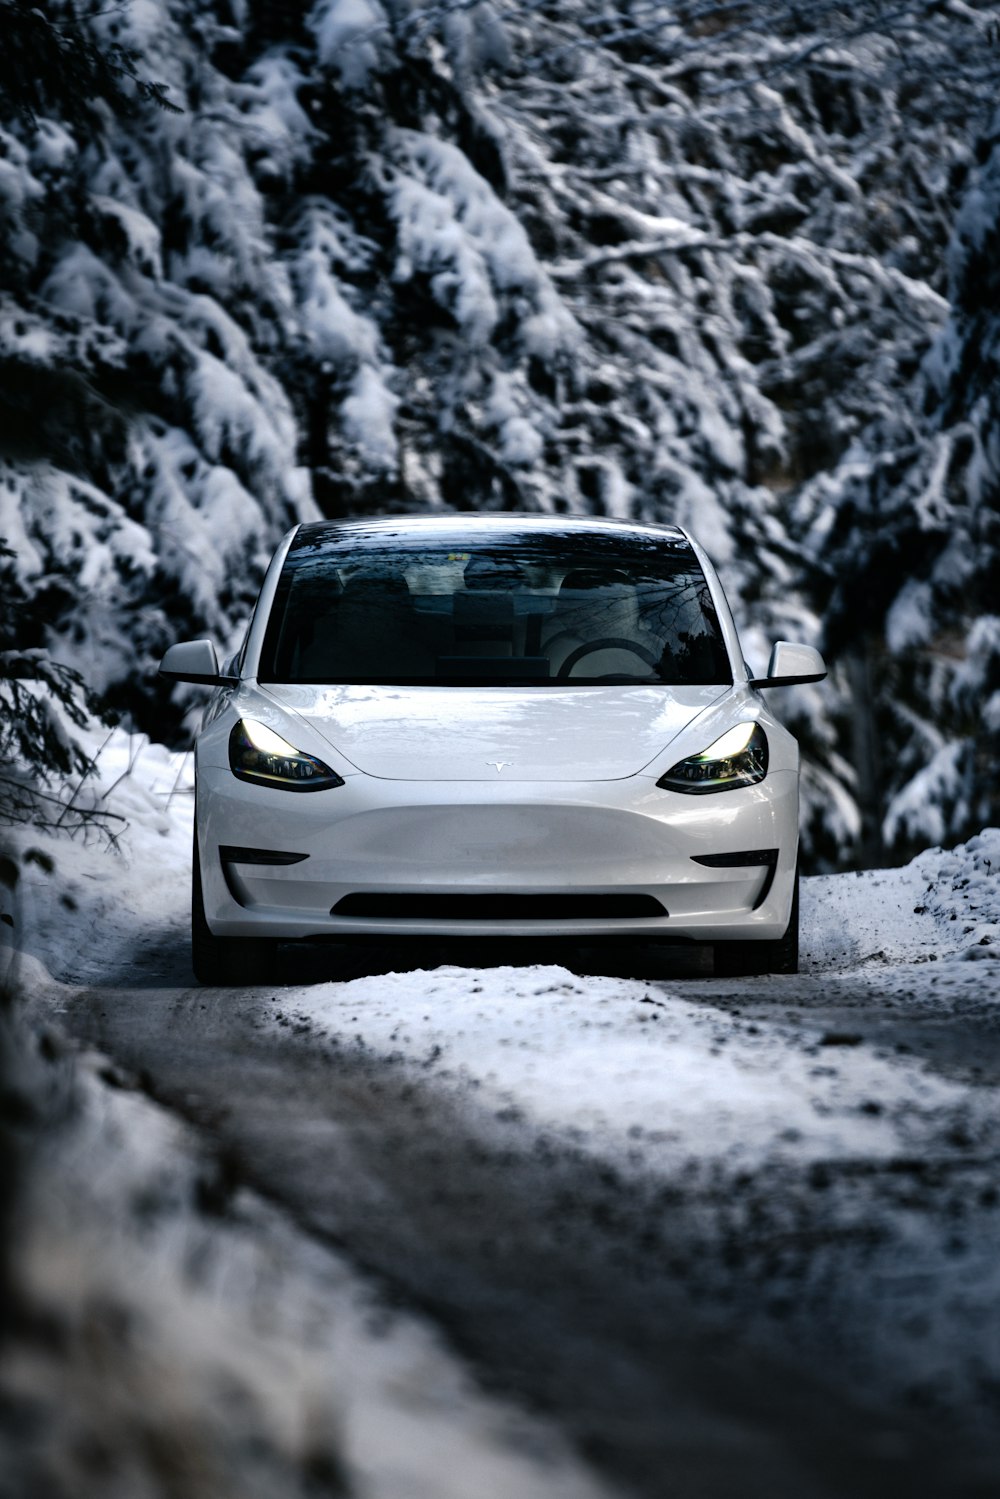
466	733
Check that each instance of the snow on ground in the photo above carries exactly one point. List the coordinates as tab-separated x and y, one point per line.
941	907
644	1076
233	1353
624	1069
90	896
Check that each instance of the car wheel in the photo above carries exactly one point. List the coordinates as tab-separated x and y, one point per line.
225	961
738	959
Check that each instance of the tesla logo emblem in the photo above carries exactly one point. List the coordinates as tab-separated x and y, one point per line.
498	765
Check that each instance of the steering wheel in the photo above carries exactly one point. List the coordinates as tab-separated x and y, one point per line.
607	643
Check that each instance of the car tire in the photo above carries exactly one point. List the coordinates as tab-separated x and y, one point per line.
743	959
227	962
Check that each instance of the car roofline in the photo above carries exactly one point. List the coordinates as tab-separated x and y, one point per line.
493	521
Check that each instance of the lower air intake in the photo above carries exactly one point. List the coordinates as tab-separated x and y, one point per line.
405	907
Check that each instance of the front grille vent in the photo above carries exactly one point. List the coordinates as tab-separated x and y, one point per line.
767	858
420	907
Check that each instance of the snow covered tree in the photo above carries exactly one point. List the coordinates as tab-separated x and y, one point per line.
135	412
637	259
53	61
916	555
46	63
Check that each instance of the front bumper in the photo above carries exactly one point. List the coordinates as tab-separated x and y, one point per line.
393	838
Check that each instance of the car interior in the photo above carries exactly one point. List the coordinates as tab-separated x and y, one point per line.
489	617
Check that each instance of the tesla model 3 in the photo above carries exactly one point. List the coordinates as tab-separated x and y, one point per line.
492	726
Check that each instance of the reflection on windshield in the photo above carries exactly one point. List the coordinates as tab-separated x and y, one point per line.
537	609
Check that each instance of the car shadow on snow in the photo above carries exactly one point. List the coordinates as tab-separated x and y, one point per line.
161	961
320	963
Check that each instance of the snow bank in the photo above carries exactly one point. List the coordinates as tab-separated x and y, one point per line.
943	907
190	1329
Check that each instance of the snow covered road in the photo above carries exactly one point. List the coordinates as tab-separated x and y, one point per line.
726	1236
752	1239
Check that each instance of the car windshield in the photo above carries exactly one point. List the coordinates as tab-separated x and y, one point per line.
504	610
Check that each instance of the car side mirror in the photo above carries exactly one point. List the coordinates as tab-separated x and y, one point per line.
193	661
791	664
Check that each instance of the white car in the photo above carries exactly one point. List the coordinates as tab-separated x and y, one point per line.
492	726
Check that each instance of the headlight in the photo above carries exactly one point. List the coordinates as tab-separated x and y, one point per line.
737	758
258	754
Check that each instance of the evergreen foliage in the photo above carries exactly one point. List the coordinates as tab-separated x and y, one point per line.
51	63
42	701
915	554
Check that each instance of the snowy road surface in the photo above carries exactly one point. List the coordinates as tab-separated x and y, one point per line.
720	1236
